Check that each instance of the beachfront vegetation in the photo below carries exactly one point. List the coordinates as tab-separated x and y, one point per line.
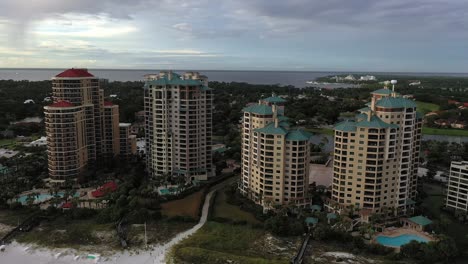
444	222
223	243
443	250
185	207
223	210
25	173
439	154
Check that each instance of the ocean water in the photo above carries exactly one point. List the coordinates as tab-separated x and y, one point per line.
295	78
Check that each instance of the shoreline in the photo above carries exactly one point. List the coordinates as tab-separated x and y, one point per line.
18	253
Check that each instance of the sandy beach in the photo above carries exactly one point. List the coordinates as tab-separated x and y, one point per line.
16	253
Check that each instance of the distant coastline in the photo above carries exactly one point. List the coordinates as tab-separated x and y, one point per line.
294	78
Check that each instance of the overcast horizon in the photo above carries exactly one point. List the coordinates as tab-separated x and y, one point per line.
422	36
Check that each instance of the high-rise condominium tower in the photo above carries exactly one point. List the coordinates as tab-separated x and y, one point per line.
376	156
80	128
457	187
178	113
275	158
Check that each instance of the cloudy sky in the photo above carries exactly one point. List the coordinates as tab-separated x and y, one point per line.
366	35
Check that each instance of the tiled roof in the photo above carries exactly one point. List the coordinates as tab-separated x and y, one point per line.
375	122
284	124
272	130
259	109
421	220
298	135
74	73
419	115
384	91
107	103
395	102
360	117
205	88
274	99
311	220
348	126
364	109
62	104
175	80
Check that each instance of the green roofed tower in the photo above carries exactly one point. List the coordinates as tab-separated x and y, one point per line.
275	157
178	112
376	156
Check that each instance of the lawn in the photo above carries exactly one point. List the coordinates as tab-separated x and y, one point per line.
425	108
225	243
325	131
445	131
188	206
222	209
432	205
7	143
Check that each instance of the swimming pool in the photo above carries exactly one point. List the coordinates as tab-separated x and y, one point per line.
400	240
167	191
41	197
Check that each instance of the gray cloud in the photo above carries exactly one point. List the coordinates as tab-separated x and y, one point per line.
232	18
370	14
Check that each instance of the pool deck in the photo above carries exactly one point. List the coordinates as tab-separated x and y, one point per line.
398	231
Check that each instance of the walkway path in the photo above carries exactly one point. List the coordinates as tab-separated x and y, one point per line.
15	253
161	251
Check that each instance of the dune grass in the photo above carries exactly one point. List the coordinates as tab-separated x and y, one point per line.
222	209
226	243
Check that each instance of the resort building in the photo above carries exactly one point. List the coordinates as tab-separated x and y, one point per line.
178	129
80	127
128	142
110	129
376	157
275	158
457	188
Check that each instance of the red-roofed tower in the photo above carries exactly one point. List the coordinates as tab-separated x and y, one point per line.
77	135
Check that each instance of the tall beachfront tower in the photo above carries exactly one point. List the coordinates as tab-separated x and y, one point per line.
457	187
376	156
80	129
178	116
275	158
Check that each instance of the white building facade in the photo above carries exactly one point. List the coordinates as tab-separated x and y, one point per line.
457	188
178	122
